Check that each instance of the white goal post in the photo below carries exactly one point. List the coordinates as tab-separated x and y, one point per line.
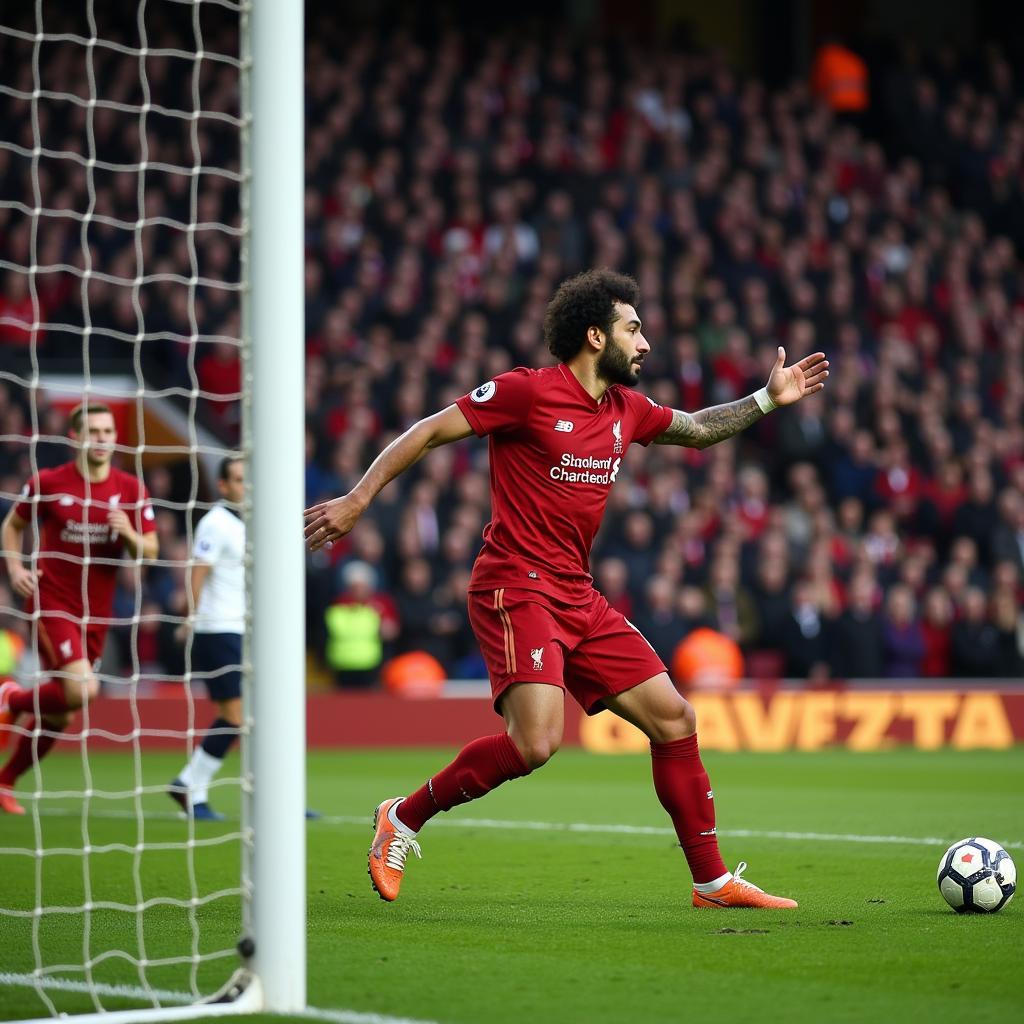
275	381
270	972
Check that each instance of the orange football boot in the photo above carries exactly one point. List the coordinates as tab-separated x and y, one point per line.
738	892
8	804
388	853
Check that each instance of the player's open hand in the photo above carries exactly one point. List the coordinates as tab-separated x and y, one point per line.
331	520
25	581
788	384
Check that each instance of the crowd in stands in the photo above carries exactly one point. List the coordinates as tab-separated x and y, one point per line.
876	530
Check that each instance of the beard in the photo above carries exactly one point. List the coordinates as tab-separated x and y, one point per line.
615	367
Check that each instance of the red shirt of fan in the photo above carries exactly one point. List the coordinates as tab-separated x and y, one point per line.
554	453
71	513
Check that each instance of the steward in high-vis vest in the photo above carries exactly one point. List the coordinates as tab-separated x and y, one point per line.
11	649
840	78
359	623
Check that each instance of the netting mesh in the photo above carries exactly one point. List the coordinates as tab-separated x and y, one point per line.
120	282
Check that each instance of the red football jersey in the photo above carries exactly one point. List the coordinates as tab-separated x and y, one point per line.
72	517
554	453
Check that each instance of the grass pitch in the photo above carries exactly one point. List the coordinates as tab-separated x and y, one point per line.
562	897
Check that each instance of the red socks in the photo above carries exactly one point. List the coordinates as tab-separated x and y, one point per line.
680	781
480	767
50	695
684	790
49	699
26	751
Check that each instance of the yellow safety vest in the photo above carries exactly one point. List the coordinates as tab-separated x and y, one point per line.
10	650
353	637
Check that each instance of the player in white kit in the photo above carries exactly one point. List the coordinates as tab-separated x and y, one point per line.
217	584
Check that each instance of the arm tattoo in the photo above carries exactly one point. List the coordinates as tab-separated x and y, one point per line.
700	429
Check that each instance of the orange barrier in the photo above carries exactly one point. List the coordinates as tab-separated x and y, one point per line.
707	660
747	719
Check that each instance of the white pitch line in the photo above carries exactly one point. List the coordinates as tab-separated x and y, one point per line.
99	988
657	830
508	825
355	1017
138	993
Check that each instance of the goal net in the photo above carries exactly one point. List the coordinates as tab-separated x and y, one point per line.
126	269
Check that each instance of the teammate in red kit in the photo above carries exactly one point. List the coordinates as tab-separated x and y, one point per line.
557	437
88	513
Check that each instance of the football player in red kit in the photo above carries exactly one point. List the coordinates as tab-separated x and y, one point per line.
82	515
557	438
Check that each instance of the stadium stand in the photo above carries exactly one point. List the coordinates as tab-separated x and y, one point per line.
453	182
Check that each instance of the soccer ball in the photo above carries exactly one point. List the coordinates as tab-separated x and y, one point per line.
977	876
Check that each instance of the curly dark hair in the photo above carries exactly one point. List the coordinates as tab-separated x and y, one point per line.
584	301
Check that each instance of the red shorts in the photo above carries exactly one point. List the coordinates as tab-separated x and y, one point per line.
589	649
61	641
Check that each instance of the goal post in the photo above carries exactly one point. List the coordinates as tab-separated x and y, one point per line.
275	313
266	245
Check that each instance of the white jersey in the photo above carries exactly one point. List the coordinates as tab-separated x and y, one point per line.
220	544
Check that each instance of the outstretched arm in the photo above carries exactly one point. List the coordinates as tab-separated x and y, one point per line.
330	520
786	385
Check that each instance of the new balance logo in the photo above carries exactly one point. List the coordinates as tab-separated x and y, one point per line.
65	648
531	575
564	426
710	832
538	658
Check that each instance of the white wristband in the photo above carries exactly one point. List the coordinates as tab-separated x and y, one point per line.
764	401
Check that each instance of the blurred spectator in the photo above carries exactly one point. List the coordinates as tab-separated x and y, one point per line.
753	500
693	610
635	547
858	643
219	375
977	516
658	617
425	624
804	640
975	640
450	602
1008	537
936	623
1009	624
882	543
18	315
771	599
730	607
853	471
903	645
359	624
801	433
